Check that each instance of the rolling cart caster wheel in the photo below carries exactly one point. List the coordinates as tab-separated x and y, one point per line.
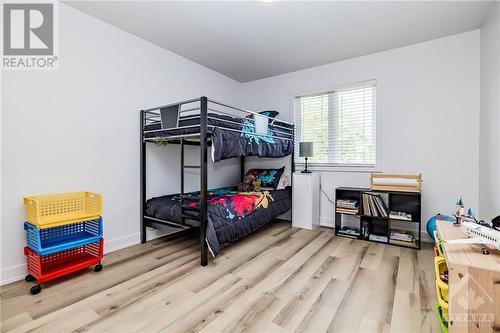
29	278
98	268
35	289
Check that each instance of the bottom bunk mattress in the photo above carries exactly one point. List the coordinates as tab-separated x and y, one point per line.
232	215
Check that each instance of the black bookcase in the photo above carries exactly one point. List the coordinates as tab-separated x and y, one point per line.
408	202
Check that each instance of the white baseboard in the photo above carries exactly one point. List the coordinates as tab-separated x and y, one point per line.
13	273
18	272
328	222
120	243
425	237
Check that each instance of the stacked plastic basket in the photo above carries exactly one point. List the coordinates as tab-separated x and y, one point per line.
441	271
64	235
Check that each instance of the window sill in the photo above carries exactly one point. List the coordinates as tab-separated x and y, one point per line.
340	168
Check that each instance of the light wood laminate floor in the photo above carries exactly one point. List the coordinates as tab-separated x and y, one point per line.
281	279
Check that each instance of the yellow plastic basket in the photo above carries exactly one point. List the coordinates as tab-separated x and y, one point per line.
439	268
441	299
52	210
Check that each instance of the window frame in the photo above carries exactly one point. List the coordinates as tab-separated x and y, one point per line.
378	128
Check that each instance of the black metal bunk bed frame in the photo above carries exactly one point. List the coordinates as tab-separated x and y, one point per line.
169	116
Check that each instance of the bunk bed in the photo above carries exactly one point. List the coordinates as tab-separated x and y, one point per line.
223	215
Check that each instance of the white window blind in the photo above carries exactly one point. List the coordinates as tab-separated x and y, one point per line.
340	123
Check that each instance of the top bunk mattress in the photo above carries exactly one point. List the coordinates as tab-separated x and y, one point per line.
233	137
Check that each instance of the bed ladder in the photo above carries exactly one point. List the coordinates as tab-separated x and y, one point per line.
198	213
188	211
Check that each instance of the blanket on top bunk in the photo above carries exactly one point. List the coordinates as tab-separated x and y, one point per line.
232	215
242	142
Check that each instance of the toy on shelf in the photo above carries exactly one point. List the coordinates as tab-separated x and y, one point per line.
478	231
63	234
459	212
469	217
478	234
460	215
496	223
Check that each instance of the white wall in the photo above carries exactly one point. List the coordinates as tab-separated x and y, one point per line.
430	115
489	148
78	128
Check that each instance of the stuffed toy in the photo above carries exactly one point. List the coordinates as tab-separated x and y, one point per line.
249	184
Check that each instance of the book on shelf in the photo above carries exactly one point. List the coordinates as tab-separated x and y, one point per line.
395	215
402	237
348	235
380	207
371	208
401	233
377	238
347	203
349	231
374	205
347	211
367	207
403	243
347	206
344	203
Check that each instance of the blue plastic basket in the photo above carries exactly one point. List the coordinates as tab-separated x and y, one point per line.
51	240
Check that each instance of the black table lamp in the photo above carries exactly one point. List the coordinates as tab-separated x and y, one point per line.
305	150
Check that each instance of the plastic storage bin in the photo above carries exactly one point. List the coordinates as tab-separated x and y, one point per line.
441	318
441	286
440	267
52	210
436	252
52	266
51	240
439	245
442	303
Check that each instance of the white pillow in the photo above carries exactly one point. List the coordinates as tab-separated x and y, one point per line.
283	181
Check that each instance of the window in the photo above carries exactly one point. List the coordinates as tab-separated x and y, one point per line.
341	123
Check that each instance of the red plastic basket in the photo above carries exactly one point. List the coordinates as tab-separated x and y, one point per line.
52	266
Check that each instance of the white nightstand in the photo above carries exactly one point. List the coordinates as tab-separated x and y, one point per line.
306	196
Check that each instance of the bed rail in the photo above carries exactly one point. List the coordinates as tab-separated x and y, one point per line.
155	121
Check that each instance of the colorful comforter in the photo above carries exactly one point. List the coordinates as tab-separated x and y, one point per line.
232	215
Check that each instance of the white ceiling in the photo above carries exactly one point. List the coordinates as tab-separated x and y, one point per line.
252	40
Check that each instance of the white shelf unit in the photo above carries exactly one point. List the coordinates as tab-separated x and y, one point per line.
306	199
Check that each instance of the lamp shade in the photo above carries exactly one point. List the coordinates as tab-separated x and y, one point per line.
305	149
